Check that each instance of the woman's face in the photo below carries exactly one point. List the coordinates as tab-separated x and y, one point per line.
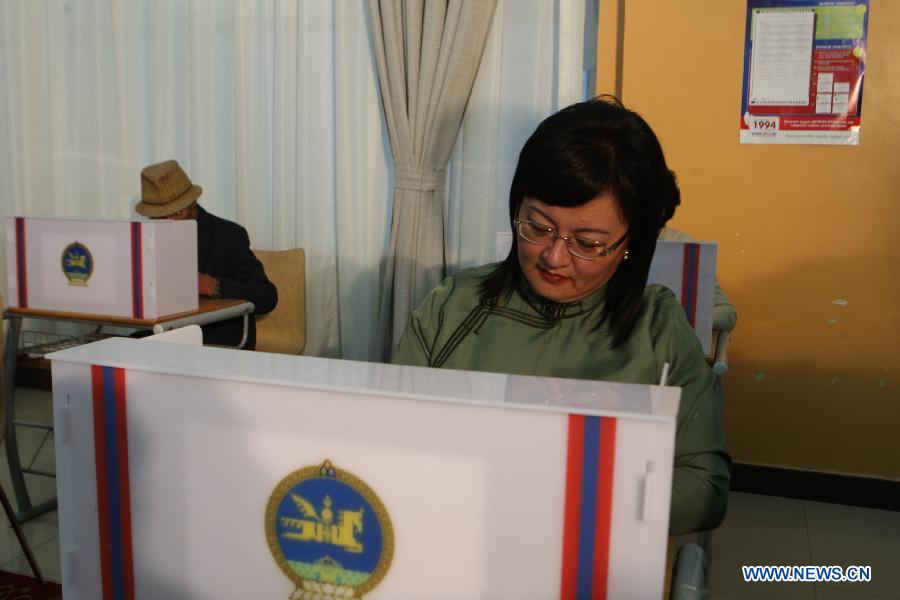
552	270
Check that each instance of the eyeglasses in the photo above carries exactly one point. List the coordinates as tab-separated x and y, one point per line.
585	248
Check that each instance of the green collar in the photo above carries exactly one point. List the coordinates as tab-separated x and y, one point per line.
554	311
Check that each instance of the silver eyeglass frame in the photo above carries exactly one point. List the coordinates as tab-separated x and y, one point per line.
604	252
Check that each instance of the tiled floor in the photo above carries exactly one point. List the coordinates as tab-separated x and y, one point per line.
765	530
42	532
759	530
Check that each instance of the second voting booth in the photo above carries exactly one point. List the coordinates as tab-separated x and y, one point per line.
129	269
193	472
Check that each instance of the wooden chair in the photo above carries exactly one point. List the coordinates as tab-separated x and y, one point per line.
284	329
4	499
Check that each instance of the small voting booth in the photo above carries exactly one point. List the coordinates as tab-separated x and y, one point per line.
199	472
130	269
689	270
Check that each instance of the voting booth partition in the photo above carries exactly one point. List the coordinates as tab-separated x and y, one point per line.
198	472
689	270
127	269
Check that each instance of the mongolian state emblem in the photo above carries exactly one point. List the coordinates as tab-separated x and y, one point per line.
77	263
329	533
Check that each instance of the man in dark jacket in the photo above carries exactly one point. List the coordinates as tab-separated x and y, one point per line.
228	268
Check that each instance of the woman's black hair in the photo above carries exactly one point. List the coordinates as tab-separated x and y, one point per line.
584	151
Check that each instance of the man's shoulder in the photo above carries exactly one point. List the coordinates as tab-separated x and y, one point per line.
230	228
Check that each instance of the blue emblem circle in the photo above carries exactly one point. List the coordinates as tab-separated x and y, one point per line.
77	263
326	526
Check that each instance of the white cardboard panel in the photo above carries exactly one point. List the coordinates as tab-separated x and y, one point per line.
172	250
190	334
472	477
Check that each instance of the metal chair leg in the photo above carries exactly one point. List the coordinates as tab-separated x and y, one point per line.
689	580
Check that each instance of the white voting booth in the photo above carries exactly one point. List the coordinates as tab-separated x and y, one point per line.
127	269
689	270
197	472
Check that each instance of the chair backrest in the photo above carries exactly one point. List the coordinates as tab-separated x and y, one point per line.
284	329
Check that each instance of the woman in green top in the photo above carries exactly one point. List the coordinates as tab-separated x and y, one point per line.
589	196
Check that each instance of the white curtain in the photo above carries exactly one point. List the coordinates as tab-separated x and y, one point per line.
533	65
271	105
427	53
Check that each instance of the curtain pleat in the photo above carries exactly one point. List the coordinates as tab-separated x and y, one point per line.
427	54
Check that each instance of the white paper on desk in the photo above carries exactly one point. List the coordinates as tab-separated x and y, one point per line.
781	60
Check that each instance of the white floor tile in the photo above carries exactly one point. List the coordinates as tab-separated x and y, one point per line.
839	594
759	530
41	532
849	535
47	556
37	531
36	447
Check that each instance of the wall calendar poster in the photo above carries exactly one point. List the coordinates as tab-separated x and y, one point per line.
804	62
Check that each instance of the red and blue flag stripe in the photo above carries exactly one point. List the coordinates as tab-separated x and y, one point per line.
689	274
21	271
113	495
137	284
588	510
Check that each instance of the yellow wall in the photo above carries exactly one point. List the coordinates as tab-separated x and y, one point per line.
813	384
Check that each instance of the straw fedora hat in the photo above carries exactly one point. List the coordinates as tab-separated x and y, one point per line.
166	189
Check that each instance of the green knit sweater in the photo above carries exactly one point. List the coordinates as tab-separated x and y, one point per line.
525	334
